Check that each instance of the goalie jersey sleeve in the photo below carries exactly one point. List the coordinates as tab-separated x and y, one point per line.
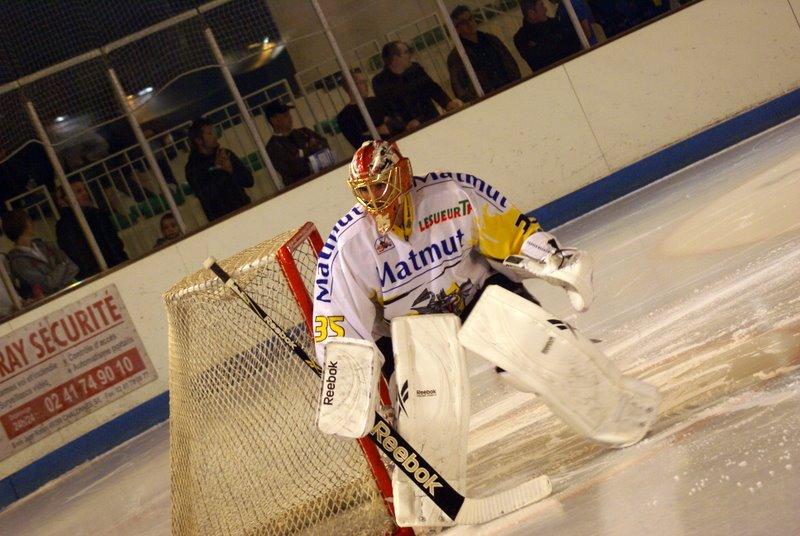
344	304
501	227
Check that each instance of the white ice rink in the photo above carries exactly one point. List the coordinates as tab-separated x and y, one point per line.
698	291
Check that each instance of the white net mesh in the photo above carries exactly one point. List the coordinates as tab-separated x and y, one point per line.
244	30
245	453
12	112
180	48
78	97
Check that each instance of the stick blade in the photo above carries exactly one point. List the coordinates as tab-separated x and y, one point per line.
483	509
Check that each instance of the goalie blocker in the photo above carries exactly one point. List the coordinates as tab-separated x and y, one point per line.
349	392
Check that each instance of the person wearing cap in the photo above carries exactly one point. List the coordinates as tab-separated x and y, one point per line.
296	153
217	176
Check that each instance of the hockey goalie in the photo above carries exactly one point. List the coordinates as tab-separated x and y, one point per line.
399	273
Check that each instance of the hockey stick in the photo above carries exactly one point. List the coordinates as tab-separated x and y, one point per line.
461	509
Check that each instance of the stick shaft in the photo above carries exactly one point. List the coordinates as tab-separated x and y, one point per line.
256	308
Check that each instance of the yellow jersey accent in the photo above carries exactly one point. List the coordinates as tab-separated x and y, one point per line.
407	224
502	234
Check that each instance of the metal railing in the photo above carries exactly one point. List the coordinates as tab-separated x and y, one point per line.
38	204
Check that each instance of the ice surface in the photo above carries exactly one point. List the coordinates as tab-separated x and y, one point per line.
126	491
697	290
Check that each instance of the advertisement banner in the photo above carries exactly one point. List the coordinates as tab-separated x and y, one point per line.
66	365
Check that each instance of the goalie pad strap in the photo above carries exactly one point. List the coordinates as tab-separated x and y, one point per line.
577	381
350	390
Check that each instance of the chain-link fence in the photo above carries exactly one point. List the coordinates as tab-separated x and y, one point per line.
12	112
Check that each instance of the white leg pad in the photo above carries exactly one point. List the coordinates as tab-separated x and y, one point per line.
432	410
579	383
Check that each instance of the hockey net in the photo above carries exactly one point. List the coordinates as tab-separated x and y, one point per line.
246	457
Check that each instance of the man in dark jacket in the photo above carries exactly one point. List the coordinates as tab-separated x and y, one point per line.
40	267
406	89
491	60
296	153
217	176
542	41
351	122
73	242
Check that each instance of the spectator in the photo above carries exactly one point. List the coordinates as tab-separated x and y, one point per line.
617	16
170	230
72	240
39	266
352	123
217	176
158	144
296	153
406	88
493	63
585	17
541	41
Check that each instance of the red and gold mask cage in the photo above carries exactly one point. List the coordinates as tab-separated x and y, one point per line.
379	176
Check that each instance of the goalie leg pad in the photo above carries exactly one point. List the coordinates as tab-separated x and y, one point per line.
579	383
432	409
349	393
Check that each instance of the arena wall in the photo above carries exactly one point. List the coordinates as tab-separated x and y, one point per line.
560	144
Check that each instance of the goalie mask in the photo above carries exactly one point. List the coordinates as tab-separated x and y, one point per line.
379	177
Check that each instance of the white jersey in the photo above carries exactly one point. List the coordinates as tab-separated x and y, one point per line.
434	263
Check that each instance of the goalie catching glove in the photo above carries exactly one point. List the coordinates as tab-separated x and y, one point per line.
542	257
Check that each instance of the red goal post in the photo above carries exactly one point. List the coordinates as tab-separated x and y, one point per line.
308	233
